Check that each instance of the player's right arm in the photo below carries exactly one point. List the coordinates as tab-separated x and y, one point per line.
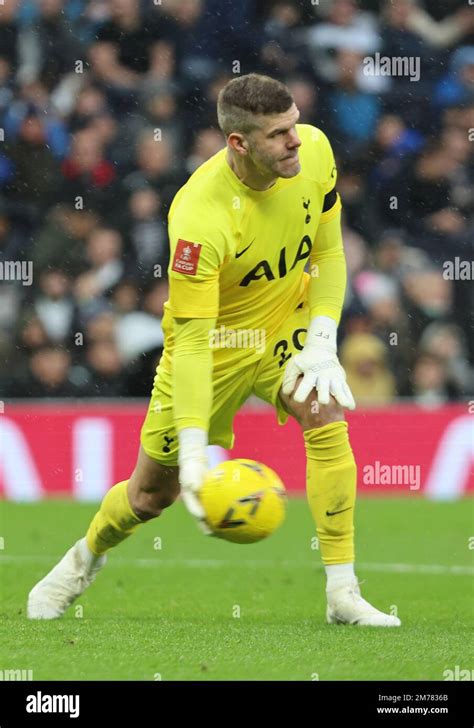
192	401
196	257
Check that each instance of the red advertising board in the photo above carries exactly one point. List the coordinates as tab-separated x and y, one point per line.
82	449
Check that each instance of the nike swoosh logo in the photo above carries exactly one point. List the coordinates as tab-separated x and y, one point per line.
241	252
336	512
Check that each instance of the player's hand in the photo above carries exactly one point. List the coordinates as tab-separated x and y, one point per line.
320	367
193	466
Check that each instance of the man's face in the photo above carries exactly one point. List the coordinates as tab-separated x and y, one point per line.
273	148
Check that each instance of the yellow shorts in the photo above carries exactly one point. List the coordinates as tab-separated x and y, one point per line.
231	388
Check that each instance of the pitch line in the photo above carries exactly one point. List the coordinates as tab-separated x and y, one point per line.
159	561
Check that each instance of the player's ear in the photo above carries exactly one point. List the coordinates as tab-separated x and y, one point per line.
237	143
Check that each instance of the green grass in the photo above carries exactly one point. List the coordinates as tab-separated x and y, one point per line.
171	610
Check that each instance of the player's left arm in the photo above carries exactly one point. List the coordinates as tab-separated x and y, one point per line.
318	361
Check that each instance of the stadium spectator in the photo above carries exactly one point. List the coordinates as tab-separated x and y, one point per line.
305	95
429	298
93	155
206	143
146	232
193	32
128	34
9	35
457	87
156	166
344	28
281	51
14	241
158	109
106	376
104	265
446	341
60	242
87	174
426	201
354	112
363	357
54	305
443	34
429	381
47	375
162	66
50	46
380	296
34	171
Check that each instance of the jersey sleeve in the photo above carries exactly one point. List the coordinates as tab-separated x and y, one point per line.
328	266
332	202
192	373
321	168
197	251
327	283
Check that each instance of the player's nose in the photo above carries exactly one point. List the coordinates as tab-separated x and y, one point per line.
294	141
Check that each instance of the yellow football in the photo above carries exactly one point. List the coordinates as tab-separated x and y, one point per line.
244	500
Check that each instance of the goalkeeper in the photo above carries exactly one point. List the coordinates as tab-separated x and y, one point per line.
256	251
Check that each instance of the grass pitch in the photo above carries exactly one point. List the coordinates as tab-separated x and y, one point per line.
172	604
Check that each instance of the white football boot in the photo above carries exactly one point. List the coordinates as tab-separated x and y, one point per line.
51	596
346	606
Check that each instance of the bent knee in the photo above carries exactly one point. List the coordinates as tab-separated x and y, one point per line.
149	498
310	414
149	504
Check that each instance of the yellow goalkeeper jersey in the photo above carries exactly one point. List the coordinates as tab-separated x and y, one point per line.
239	255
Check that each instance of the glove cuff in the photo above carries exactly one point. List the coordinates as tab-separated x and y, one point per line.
322	332
192	443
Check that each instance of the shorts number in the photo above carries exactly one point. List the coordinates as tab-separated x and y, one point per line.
281	346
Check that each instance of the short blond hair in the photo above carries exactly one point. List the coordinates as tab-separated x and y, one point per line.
245	97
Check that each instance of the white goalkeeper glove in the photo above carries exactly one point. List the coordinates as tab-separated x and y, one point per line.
193	465
319	365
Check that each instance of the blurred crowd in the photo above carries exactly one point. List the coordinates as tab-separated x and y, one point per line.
106	108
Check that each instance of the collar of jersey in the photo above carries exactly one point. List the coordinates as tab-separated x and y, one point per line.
256	194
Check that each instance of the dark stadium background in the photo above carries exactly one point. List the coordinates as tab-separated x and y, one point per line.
89	325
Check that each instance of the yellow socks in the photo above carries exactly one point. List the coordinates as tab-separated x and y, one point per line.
331	477
114	521
330	487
